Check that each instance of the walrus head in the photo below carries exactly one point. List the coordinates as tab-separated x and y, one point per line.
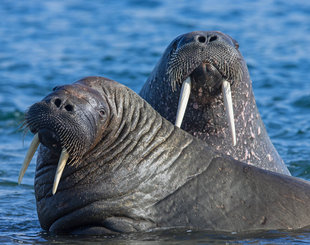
58	122
206	61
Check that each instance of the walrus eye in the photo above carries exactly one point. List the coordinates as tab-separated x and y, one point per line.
102	112
55	88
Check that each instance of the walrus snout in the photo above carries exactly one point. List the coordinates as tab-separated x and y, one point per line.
196	48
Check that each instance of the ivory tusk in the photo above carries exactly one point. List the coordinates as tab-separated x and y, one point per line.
32	149
229	109
60	167
183	100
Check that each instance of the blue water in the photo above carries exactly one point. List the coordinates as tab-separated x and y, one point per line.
48	43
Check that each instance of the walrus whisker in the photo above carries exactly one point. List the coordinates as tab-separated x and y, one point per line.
183	100
32	149
60	167
179	67
229	109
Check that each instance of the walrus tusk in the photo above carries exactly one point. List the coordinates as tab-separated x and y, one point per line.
229	109
60	168
184	96
32	149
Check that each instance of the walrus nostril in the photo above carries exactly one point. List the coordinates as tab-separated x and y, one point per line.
57	102
69	107
201	39
213	38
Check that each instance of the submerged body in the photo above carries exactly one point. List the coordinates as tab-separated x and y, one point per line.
136	171
208	60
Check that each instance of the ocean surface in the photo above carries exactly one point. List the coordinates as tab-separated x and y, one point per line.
49	43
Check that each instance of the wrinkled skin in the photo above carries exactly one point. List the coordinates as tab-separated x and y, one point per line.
141	172
208	58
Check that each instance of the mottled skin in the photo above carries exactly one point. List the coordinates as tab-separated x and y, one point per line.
208	58
144	173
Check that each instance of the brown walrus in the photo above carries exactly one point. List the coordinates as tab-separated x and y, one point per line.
207	71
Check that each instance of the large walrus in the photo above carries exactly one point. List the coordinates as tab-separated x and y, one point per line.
108	162
207	71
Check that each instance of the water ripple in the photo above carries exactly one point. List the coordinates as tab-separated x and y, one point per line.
48	43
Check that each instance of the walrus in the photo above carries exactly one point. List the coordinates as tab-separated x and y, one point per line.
109	163
207	74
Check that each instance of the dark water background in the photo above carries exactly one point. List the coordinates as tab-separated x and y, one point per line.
48	43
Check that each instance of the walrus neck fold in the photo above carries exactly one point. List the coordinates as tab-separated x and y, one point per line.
124	132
